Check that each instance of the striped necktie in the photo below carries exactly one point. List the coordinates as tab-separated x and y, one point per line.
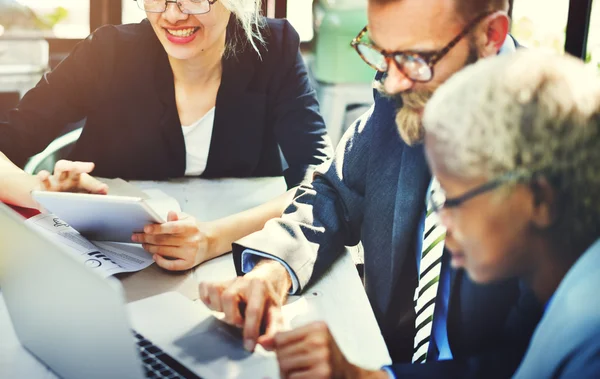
429	276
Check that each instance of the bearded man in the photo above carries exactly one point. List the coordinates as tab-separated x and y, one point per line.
435	321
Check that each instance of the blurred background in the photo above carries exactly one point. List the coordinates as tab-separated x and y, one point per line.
35	35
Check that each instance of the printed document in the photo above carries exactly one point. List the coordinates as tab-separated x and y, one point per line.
108	258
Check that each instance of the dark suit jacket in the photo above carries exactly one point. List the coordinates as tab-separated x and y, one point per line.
374	192
120	79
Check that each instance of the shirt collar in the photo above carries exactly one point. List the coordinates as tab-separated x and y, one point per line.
508	46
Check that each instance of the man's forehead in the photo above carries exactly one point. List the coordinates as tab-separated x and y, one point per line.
417	25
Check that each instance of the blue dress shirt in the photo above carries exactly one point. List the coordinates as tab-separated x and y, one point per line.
251	257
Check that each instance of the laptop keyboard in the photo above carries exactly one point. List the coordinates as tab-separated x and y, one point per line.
157	364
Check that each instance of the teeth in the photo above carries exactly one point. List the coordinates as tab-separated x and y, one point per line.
182	32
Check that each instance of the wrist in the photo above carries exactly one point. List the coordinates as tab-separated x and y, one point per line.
211	233
220	235
35	184
275	273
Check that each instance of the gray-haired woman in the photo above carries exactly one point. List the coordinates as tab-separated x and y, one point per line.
203	88
519	170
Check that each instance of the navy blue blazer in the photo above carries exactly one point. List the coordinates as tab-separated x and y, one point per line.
119	79
374	192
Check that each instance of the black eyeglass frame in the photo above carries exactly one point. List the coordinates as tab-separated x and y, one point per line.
437	206
431	59
176	2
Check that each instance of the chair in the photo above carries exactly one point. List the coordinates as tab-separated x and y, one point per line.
57	150
344	81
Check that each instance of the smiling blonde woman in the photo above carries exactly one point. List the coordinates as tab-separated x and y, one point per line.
201	88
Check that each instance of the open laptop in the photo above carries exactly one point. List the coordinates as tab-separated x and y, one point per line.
68	316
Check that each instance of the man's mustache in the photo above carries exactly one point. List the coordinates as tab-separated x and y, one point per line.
414	99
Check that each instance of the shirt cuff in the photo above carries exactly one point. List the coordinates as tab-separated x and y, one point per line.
389	372
251	257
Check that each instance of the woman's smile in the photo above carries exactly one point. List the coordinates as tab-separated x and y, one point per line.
181	35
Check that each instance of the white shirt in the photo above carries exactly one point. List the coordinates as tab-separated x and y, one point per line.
197	143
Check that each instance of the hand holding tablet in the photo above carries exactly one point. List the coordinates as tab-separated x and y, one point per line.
100	217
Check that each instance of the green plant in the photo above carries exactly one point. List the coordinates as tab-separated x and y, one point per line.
48	21
14	15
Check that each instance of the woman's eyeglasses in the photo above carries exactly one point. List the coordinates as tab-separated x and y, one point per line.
185	6
438	199
416	66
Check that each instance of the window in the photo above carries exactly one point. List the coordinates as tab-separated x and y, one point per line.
132	13
299	14
534	28
45	18
593	47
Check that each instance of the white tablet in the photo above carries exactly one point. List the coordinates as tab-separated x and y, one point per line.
100	217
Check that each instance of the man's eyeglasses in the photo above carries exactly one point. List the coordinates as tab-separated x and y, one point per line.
185	6
438	198
416	66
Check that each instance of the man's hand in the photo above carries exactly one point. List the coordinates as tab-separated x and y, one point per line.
252	302
71	176
311	352
179	244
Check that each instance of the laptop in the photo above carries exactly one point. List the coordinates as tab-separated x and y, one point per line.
69	317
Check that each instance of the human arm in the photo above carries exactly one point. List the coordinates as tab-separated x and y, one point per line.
325	216
184	242
585	363
16	185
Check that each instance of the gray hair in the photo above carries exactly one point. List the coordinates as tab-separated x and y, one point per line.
528	112
247	14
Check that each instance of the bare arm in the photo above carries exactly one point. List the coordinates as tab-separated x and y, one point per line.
16	185
227	230
183	242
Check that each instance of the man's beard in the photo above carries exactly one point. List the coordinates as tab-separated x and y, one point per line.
408	118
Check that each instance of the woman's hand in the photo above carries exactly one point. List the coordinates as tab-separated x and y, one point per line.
71	176
179	244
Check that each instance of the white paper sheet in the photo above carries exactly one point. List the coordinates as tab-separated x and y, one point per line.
108	258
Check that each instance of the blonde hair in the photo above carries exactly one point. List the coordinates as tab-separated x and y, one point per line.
528	112
247	14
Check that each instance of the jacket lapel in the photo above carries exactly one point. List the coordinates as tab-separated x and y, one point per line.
413	180
239	120
170	124
236	140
